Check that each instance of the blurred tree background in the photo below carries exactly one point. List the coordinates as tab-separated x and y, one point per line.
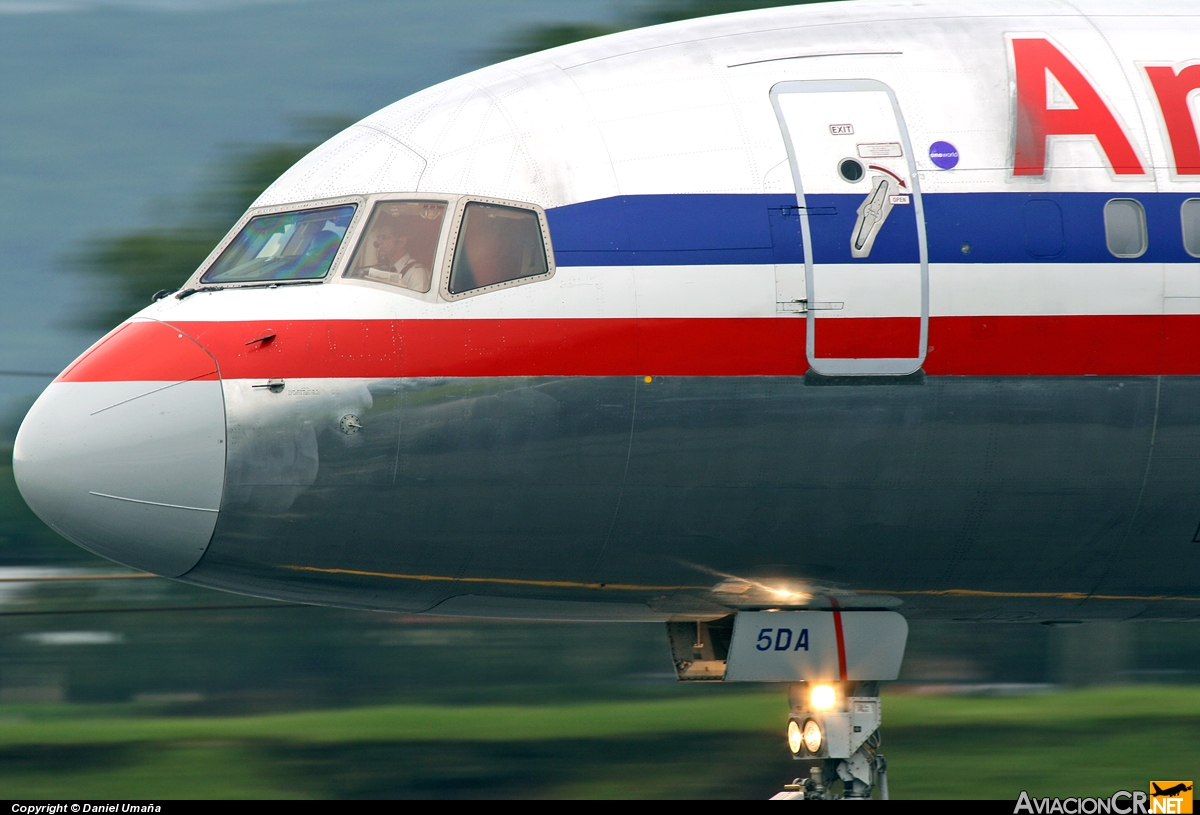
136	265
133	649
655	12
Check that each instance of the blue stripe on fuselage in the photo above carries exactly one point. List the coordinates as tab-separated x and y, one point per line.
998	227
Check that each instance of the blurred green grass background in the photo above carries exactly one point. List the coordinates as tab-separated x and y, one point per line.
717	743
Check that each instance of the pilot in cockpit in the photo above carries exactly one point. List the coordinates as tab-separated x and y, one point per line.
393	263
399	244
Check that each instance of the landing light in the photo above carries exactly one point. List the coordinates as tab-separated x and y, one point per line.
823	697
794	736
805	738
812	737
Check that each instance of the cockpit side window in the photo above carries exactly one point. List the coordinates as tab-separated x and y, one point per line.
283	246
497	244
399	244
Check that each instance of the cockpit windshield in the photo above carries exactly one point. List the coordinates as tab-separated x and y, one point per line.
286	246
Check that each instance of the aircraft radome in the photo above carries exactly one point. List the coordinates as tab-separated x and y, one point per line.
780	327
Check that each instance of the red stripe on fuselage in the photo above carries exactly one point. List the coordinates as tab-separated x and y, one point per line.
881	338
469	348
1113	345
1076	345
143	351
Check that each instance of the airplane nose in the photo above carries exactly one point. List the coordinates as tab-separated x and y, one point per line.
124	453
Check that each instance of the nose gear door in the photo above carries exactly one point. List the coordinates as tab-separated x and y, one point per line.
863	226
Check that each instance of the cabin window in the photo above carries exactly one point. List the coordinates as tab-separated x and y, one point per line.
399	243
1125	228
1189	213
497	244
283	246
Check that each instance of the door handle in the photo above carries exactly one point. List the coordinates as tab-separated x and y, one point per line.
872	212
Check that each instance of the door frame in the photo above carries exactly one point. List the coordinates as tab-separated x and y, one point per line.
867	366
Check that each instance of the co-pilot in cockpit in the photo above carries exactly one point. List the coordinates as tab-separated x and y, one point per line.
399	243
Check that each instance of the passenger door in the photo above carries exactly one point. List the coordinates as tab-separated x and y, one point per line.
863	226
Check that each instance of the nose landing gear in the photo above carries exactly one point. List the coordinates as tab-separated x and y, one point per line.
833	661
836	726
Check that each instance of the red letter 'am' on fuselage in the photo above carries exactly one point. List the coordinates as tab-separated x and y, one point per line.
1036	121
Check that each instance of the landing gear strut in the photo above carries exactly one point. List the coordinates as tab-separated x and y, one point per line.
836	727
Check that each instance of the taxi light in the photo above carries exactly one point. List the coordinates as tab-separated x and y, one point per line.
794	736
823	697
812	737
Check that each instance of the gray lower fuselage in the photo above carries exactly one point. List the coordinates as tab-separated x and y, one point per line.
964	497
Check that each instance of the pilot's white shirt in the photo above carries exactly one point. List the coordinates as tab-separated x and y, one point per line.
406	272
412	274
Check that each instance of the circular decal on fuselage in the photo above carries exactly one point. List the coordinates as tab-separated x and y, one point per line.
943	154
